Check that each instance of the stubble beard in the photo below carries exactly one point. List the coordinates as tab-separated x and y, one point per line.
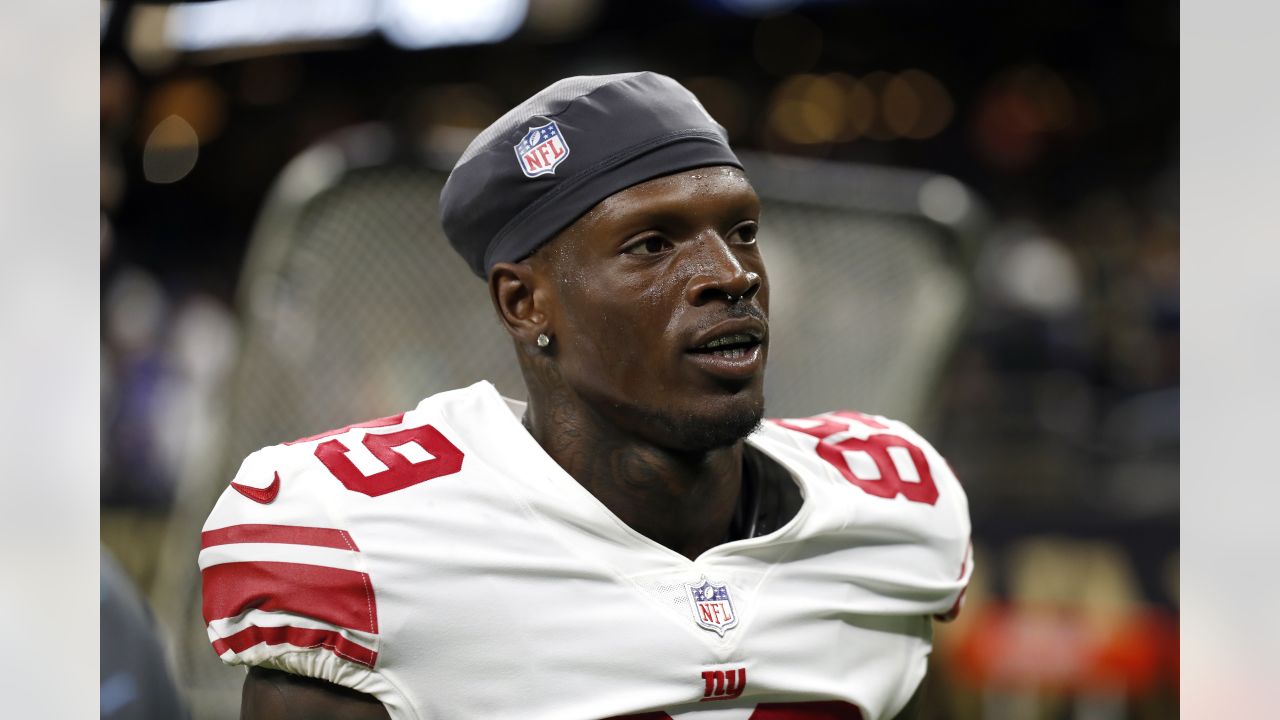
698	432
722	422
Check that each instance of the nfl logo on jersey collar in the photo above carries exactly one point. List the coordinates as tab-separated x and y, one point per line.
541	150
711	606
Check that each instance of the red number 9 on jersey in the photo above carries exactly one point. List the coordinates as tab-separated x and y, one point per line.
411	456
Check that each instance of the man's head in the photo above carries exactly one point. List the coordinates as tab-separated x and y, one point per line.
649	282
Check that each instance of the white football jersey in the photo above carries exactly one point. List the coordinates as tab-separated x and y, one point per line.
442	562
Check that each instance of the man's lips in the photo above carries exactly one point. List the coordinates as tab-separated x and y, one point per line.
731	349
735	333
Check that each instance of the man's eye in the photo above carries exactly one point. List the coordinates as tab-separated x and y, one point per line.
648	246
746	234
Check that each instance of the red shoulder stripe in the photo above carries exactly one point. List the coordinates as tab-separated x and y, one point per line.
380	422
288	534
331	640
333	595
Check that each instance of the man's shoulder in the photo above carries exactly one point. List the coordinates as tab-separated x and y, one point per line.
846	431
886	498
371	457
290	552
880	466
336	488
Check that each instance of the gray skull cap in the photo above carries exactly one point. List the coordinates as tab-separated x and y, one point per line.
544	164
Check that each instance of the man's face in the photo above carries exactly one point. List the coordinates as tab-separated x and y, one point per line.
643	282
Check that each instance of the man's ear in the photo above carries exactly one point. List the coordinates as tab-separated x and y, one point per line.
523	300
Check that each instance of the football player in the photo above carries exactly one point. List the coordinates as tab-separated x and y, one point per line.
635	541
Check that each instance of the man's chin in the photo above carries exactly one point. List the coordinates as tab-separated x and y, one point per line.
709	428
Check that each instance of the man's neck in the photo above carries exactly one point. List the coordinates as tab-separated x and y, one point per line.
682	501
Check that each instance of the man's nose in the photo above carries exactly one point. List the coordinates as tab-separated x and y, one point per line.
720	274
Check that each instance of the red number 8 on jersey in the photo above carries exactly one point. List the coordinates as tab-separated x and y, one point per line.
881	464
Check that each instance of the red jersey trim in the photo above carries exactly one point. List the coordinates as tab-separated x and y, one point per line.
378	423
333	595
287	534
330	640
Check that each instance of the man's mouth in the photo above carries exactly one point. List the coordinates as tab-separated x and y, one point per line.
730	347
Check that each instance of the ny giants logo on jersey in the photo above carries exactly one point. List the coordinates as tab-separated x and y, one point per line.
541	150
724	684
711	606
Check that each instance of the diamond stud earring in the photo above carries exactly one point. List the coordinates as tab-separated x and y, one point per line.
543	340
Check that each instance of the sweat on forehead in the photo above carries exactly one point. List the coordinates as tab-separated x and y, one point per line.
555	156
675	191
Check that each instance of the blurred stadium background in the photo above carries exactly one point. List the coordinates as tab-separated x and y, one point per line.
971	223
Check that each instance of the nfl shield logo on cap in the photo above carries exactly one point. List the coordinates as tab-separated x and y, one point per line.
541	150
712	608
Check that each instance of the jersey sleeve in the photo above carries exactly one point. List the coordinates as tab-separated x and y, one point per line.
949	536
285	585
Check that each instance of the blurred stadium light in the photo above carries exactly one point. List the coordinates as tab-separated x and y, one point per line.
410	24
416	24
809	109
239	23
